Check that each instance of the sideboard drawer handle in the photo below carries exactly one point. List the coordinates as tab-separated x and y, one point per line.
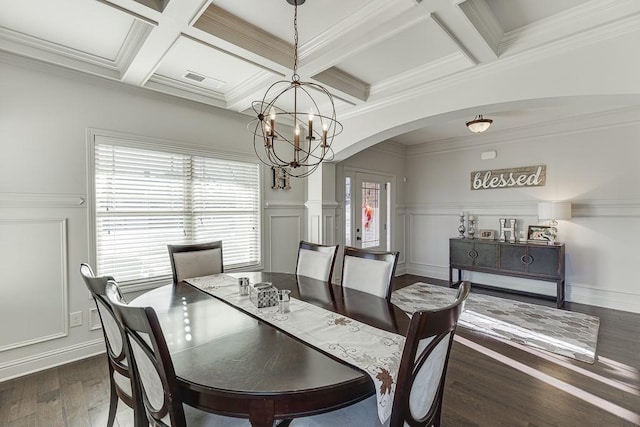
473	253
526	259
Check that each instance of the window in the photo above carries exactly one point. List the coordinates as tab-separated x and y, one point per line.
145	199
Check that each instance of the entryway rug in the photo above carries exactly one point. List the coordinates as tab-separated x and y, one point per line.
562	332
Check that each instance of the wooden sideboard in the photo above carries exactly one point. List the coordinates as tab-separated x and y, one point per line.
521	259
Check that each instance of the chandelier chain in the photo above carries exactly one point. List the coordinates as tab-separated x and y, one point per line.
295	42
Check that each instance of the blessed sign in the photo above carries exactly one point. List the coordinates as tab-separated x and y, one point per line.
528	176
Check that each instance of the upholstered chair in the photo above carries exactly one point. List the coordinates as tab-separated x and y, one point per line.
421	376
152	365
194	260
316	261
121	382
369	271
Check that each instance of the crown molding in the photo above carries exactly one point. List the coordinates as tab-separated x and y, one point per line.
575	21
594	35
182	89
359	21
390	147
389	21
240	98
137	16
33	47
422	75
579	124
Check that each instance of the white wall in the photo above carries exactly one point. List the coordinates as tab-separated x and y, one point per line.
44	116
591	161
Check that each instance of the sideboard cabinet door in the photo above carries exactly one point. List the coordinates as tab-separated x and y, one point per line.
513	257
544	260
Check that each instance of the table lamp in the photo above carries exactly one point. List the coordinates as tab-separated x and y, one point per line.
552	212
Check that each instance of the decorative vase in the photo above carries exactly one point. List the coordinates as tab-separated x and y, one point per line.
461	228
472	226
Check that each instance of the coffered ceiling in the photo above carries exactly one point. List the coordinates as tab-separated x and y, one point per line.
225	53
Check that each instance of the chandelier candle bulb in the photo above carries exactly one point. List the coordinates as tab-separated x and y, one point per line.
273	120
310	126
296	139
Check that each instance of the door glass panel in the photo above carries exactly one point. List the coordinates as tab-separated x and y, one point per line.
370	214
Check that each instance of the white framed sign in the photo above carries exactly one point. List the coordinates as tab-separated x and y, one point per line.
526	176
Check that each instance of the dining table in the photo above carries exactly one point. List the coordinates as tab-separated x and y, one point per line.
230	362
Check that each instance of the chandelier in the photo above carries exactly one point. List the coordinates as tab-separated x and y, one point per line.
292	129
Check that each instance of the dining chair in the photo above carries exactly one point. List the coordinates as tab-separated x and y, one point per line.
122	384
152	366
194	260
316	261
369	271
421	375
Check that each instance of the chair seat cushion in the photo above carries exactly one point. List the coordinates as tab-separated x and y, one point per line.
361	414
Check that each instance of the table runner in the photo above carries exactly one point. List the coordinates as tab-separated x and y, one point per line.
375	351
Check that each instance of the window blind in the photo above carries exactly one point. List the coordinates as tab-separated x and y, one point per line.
146	199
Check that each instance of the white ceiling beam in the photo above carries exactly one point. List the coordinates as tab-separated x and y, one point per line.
462	32
171	22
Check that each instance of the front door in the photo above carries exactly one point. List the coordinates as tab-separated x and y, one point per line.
371	201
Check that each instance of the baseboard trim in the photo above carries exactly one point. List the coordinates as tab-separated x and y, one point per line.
574	292
615	300
50	359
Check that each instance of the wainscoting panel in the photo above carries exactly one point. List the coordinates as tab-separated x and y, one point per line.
328	230
34	307
284	235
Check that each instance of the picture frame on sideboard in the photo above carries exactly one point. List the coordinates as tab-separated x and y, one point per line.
539	233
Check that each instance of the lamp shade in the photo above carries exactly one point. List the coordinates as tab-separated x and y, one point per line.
554	210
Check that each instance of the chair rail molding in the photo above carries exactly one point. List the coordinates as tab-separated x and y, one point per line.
20	200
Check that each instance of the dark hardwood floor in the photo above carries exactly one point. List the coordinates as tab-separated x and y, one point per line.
489	382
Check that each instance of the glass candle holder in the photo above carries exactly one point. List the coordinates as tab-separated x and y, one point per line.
243	286
283	300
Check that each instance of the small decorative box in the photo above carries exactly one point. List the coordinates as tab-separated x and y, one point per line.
263	294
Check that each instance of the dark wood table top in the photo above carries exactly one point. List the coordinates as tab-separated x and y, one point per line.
230	362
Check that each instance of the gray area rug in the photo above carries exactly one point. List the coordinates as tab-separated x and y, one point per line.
559	331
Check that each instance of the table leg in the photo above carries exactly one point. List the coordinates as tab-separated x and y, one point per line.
261	413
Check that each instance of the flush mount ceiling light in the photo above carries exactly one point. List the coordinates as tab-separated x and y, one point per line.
479	124
301	148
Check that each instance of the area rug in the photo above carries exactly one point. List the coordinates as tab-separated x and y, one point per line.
562	332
